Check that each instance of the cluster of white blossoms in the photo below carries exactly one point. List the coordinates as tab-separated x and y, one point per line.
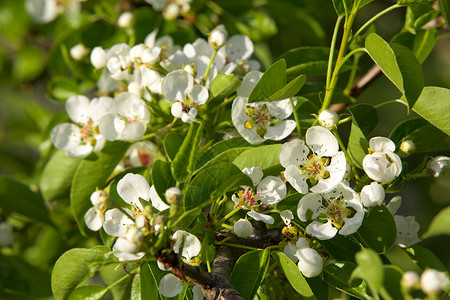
431	282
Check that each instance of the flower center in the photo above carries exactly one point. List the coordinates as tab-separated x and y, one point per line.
315	168
336	211
248	198
144	157
88	132
260	118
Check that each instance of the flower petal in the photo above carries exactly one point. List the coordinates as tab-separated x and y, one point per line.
191	246
280	131
322	231
310	262
116	223
177	84
296	179
381	144
170	286
271	190
322	141
93	219
156	200
308	202
248	83
261	217
293	153
132	187
255	173
336	169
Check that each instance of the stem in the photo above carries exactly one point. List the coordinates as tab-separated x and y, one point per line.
367	24
333	44
352	76
237	246
342	121
297	120
229	215
118	281
225	102
205	76
389	102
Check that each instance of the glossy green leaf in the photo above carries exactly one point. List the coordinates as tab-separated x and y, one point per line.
183	164
444	6
17	197
265	157
306	60
172	144
440	224
92	173
73	267
213	182
338	274
224	85
378	230
406	127
364	120
293	275
61	88
399	64
341	248
206	154
148	283
247	280
425	258
417	15
226	156
91	292
392	278
370	269
57	176
162	177
429	139
339	5
110	274
424	43
430	105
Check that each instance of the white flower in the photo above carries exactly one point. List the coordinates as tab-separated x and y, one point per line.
78	51
333	208
407	148
141	154
410	279
156	200
291	249
191	245
118	61
133	187
310	262
178	86
81	139
243	228
238	48
171	11
117	223
43	11
287	216
128	121
323	169
328	118
170	286
218	37
98	57
437	164
382	165
372	194
94	216
125	20
257	122
407	231
432	281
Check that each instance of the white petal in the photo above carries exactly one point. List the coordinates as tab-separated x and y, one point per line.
170	286
255	173
372	194
199	94
191	246
156	200
322	141
407	231
243	228
239	47
133	132
177	84
281	109
308	202
296	179
65	136
132	187
322	231
122	256
271	190
381	144
394	204
280	131
290	250
80	151
310	262
125	246
197	292
260	217
177	109
287	216
239	118
248	83
98	107
93	219
302	243
336	169
293	153
116	223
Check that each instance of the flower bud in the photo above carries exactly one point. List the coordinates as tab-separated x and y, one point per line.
125	20
410	279
218	37
407	148
328	118
171	12
98	57
437	164
78	52
372	194
173	195
98	199
243	228
310	262
432	281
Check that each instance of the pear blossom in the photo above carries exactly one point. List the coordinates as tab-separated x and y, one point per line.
328	119
118	61
94	217
173	195
257	122
170	286
98	57
407	231
318	166
178	87
78	52
141	154
218	37
243	228
407	148
372	194
43	11
125	20
310	263
128	119
382	164
83	137
187	245
433	281
410	279
340	209
437	164
269	190
128	246
291	249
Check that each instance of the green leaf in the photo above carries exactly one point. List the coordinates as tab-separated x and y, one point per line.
207	154
378	230
341	248
440	224
172	144
224	85
291	89
306	60
213	182
226	156
293	275
57	176
444	6
409	2
73	267
257	25
91	292
370	268
418	15
424	42
429	139
338	274
425	258
28	63
399	64
183	164
162	177
61	88
265	157
110	274
406	127
431	104
148	283
17	197
92	173
340	8
246	280
392	277
364	120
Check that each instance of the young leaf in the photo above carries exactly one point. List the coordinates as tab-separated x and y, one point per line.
440	224
183	164
425	258
430	105
392	278
91	292
378	229
340	8
247	280
399	64
92	173
306	60
172	144
148	283
162	177
424	42
338	274
224	85
265	157
206	154
17	197
57	176
444	6
370	268
293	275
